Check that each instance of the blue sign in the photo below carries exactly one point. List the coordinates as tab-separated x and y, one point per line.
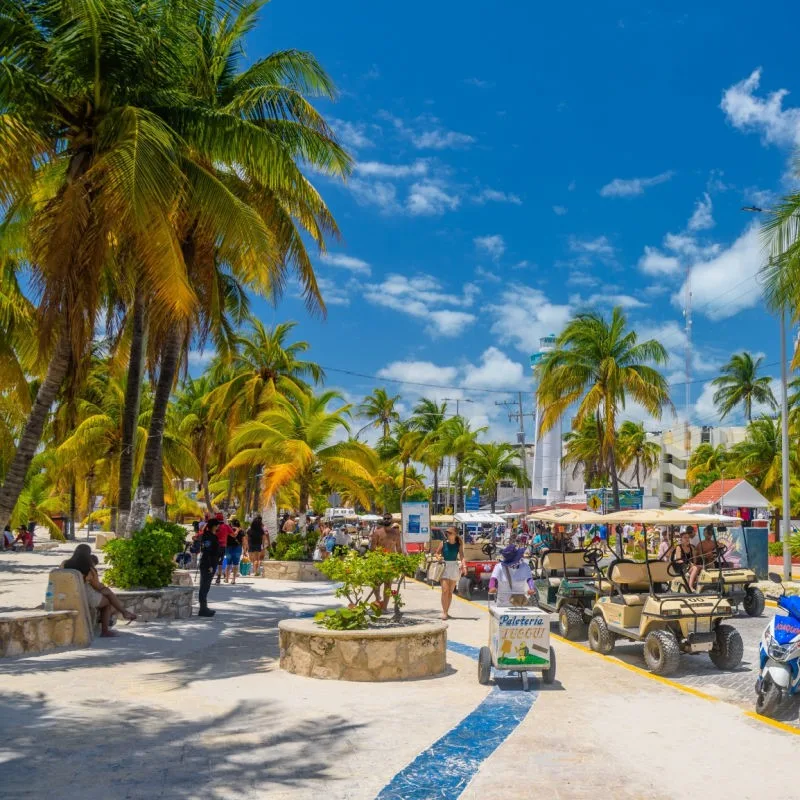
473	500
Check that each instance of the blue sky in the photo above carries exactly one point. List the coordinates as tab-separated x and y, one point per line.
517	161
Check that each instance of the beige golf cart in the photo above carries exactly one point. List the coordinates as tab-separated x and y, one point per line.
644	605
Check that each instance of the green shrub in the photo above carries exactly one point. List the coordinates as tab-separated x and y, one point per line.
776	548
292	547
360	578
295	552
147	559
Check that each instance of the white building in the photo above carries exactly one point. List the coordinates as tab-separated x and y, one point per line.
547	471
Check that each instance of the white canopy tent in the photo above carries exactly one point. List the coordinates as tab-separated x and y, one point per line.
479	518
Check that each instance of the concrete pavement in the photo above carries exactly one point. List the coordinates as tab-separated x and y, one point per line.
201	709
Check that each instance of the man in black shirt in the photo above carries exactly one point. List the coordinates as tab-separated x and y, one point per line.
209	559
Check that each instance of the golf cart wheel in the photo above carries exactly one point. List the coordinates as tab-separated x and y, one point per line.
484	666
601	640
464	587
549	674
570	623
662	653
768	700
754	602
728	648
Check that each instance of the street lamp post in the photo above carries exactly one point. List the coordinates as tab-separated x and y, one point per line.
786	516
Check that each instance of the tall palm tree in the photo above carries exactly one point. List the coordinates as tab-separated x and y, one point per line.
599	364
247	202
404	444
87	170
634	449
460	441
758	456
380	409
740	384
295	444
488	464
707	464
583	451
428	417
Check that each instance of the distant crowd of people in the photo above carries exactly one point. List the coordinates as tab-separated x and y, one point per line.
22	541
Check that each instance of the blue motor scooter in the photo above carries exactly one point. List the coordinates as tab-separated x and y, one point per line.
779	653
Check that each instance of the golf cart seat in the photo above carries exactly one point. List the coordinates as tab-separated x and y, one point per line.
631	579
556	564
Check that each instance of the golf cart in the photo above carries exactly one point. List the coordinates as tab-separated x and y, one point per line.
519	641
736	581
566	580
479	556
643	606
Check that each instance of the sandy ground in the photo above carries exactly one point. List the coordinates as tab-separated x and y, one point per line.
201	709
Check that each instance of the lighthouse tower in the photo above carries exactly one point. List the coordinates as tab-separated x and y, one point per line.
547	450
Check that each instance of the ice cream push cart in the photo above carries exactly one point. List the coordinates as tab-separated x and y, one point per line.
519	642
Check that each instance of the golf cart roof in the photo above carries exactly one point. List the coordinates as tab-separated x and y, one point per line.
720	519
442	519
660	516
567	516
478	518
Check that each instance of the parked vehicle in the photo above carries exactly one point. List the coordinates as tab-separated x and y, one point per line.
779	654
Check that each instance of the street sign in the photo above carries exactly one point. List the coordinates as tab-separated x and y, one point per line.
602	500
416	522
473	500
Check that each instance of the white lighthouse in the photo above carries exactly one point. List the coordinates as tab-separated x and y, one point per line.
547	450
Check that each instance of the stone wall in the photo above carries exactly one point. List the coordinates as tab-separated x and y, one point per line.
291	571
35	631
172	602
403	653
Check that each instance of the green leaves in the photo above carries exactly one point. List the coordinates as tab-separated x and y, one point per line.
146	560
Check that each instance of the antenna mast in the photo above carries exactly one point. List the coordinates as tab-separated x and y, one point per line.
687	313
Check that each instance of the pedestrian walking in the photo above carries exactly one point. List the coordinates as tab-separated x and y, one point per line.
256	539
209	561
223	531
451	550
233	551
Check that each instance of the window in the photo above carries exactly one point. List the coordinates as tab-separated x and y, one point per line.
705	434
667	497
668	458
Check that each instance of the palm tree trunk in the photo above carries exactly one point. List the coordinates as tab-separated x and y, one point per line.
130	419
612	463
436	489
157	505
32	433
206	491
405	473
459	487
72	510
152	472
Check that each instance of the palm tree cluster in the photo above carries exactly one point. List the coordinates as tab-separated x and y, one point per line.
150	181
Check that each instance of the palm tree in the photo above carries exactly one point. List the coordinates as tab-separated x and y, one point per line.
460	441
404	445
599	364
86	171
740	384
758	456
295	444
488	464
428	417
634	449
706	465
247	202
379	409
583	451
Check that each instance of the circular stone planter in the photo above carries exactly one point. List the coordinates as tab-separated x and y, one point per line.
291	571
394	654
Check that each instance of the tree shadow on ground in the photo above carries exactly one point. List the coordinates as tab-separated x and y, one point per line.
101	751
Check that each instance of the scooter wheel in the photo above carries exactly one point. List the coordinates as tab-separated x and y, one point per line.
484	666
768	699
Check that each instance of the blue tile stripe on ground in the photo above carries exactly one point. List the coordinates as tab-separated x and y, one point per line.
445	769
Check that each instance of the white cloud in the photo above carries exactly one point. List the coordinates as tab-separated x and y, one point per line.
600	247
606	300
559	211
333	293
705	410
496	370
377	169
200	358
422	296
654	262
440	139
486	275
579	278
351	134
496	196
375	193
524	264
621	187
727	283
776	124
493	245
346	262
419	372
478	83
430	198
524	315
702	218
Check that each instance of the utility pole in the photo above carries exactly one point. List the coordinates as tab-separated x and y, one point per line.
786	517
520	415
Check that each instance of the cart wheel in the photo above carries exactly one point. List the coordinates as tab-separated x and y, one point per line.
549	675
484	666
464	587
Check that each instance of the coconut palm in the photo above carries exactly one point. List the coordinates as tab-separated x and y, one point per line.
380	409
635	450
460	441
86	170
428	417
740	385
758	457
488	464
294	442
600	364
583	451
707	464
404	444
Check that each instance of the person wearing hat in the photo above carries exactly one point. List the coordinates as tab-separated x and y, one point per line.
511	575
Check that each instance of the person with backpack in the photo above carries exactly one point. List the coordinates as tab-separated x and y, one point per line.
209	560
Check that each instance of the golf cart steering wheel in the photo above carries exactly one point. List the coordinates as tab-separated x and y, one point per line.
489	549
592	556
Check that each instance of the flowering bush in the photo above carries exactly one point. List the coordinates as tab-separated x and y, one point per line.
361	578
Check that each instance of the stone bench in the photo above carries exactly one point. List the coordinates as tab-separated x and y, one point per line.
171	602
35	631
291	571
